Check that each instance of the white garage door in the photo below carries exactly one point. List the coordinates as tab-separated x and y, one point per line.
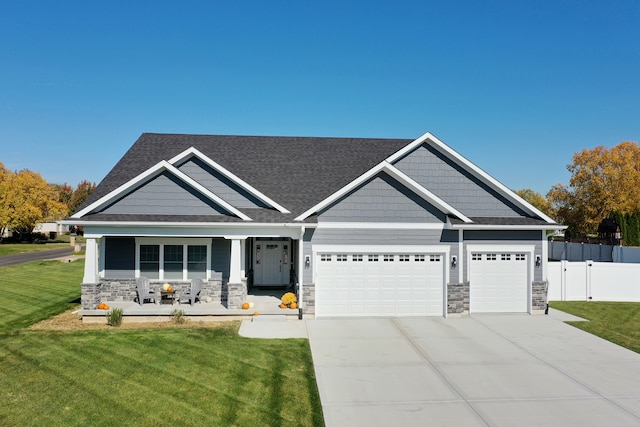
379	284
499	282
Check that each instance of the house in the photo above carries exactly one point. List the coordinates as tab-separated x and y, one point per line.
357	227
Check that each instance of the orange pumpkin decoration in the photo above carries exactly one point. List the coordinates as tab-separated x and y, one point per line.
256	313
245	306
170	289
293	305
283	305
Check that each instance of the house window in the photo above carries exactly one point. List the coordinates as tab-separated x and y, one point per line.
419	258
505	257
181	260
341	257
387	258
196	262
356	257
491	257
521	257
173	262
325	257
372	258
404	258
150	261
476	257
434	258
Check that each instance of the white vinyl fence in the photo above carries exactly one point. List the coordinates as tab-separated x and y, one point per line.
593	281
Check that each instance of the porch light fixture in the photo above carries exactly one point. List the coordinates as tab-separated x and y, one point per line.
538	261
454	261
307	261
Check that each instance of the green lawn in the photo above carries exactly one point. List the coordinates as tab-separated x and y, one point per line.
143	377
618	322
19	248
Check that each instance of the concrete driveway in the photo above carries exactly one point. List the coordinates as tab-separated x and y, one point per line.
496	370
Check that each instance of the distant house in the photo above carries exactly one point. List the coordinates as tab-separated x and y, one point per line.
51	227
357	226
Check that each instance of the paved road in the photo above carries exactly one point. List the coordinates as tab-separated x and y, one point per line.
6	260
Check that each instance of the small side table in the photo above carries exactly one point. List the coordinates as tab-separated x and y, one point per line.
167	297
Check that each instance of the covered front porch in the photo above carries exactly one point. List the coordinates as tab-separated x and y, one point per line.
266	304
236	267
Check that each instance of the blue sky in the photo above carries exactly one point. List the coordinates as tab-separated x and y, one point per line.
515	86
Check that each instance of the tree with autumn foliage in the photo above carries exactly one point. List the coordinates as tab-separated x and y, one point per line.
603	180
80	194
25	200
537	200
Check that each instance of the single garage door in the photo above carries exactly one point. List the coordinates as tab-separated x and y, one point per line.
499	282
379	284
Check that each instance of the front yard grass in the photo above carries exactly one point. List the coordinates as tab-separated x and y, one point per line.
618	322
20	248
144	377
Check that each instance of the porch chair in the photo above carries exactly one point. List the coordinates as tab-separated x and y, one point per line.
142	286
194	291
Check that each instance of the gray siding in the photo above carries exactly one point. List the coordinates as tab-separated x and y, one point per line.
219	185
382	199
164	195
220	258
325	236
119	257
502	237
454	185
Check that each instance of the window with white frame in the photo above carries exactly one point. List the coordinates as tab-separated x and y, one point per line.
173	260
196	261
150	261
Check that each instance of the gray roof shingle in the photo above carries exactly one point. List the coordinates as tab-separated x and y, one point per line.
296	172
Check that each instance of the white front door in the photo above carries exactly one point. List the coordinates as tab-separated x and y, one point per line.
271	265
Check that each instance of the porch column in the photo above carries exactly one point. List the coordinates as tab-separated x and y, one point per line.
91	262
243	258
235	264
301	267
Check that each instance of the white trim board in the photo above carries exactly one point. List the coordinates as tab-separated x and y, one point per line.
151	173
466	164
395	173
194	152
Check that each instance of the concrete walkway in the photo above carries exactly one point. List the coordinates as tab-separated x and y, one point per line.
483	370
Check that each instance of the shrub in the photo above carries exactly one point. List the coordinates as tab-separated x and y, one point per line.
114	317
178	317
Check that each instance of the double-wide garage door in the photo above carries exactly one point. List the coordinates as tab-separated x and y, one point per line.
499	282
379	284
